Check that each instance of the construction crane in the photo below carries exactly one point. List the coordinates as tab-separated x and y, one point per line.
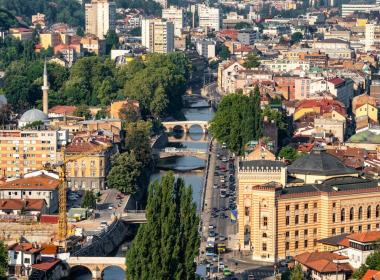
62	200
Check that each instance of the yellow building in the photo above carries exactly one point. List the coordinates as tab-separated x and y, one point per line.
364	106
22	34
50	39
276	221
91	168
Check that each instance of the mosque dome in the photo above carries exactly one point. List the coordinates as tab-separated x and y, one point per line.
33	115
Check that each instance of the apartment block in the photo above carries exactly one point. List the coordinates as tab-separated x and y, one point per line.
100	17
177	17
157	35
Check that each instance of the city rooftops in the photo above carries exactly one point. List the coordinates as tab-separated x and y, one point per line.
41	182
324	262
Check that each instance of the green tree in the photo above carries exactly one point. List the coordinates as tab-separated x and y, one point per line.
112	41
137	140
223	52
89	200
296	273
80	32
129	113
296	37
166	246
238	120
101	114
251	61
289	153
125	173
83	111
3	260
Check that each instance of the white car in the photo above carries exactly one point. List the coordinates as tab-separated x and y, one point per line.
221	265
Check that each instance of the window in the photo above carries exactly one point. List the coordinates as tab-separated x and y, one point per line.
306	219
360	213
360	228
287	220
305	232
368	227
315	204
315	231
15	255
351	229
377	211
342	230
296	245
315	217
287	234
351	213
306	206
333	231
333	217
369	212
296	219
26	260
296	207
305	243
287	207
246	211
334	204
264	235
265	221
342	215
264	246
296	233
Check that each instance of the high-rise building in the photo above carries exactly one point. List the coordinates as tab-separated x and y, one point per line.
100	17
176	16
157	35
209	18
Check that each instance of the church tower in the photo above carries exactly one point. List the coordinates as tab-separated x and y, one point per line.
45	89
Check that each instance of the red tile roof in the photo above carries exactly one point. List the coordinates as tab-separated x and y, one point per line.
18	204
365	237
87	144
336	81
63	109
323	262
49	249
325	105
371	275
25	247
41	182
46	265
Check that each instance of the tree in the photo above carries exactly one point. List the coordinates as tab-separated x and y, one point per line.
166	246
242	25
224	53
101	114
289	153
296	273
296	37
89	200
238	120
3	260
80	32
125	173
83	111
251	61
137	140
129	113
112	41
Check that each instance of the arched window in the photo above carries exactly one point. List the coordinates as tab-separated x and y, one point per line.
264	235
351	213
377	211
342	215
369	212
360	213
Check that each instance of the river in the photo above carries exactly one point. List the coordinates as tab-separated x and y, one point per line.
181	166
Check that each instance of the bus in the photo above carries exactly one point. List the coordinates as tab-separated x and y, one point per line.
210	247
221	248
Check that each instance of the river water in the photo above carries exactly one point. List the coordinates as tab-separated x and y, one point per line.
191	169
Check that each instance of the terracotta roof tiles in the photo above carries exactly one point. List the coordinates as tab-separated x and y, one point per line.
323	262
41	182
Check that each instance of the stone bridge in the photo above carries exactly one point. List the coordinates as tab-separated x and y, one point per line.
186	125
134	217
96	265
171	152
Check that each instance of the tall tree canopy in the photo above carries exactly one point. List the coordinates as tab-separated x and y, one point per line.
238	120
166	246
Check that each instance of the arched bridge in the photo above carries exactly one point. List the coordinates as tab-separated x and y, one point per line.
186	125
172	152
96	265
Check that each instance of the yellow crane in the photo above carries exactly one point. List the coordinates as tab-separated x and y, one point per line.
61	166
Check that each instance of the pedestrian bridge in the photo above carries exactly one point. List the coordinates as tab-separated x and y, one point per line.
186	125
134	216
172	152
95	265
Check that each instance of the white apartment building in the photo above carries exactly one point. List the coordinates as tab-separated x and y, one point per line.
206	48
157	35
286	65
349	9
372	35
209	18
100	17
177	17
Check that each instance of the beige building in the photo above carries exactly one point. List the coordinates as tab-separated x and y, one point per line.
275	221
157	35
330	126
176	15
100	17
22	151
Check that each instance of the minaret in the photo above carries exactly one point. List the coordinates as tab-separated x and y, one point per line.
45	89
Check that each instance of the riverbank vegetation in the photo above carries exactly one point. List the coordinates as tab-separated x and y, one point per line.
166	246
